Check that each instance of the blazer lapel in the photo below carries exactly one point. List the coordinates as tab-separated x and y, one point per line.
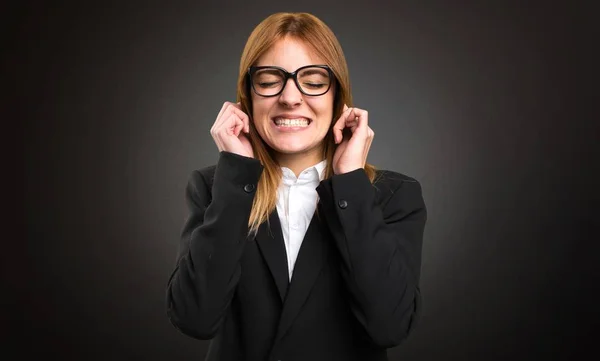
270	242
311	257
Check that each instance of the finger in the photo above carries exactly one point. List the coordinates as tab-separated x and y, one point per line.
361	118
223	108
223	118
359	142
237	109
352	121
238	105
218	120
339	125
238	124
232	125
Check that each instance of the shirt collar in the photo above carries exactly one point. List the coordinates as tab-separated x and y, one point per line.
313	174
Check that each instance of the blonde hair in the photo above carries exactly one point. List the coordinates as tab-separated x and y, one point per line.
319	37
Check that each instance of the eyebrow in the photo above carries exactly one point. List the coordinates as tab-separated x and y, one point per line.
315	71
269	71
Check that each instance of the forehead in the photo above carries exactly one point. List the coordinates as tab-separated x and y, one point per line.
290	54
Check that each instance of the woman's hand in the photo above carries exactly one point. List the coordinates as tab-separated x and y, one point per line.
230	130
352	150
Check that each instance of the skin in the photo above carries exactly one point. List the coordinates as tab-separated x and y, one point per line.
294	150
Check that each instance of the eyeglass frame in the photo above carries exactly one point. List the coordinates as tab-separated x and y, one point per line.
288	75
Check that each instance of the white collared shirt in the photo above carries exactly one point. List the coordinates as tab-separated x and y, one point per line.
296	204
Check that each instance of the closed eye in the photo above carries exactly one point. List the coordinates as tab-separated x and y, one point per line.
314	85
268	84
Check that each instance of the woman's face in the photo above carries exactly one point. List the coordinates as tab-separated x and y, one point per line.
292	122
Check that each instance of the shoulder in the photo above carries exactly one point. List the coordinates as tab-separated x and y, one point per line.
386	178
228	162
393	177
229	168
389	183
200	180
206	173
199	185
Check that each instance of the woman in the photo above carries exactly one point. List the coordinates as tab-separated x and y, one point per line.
256	273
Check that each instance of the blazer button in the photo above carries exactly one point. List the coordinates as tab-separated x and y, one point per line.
249	188
343	204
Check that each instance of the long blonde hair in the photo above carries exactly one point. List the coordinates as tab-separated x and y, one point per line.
319	37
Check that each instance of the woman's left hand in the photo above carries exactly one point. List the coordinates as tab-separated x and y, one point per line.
352	150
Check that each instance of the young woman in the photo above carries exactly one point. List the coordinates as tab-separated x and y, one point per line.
295	247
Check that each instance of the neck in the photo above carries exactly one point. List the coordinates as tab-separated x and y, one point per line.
298	162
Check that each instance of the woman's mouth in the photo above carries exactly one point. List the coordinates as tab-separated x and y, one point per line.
287	124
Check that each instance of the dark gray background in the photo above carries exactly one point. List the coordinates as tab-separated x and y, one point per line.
481	103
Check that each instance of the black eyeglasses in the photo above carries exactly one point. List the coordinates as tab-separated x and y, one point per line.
269	81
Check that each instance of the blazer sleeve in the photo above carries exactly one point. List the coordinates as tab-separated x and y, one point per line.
207	270
380	247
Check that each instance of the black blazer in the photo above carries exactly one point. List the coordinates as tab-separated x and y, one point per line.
355	287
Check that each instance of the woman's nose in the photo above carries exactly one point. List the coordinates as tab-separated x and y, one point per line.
290	95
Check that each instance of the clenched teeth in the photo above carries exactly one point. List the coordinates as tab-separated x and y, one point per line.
292	122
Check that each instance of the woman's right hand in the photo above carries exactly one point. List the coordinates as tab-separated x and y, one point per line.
231	130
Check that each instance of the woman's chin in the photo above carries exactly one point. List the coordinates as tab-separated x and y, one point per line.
291	148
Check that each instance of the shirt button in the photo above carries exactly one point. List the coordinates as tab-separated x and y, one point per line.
294	226
249	188
343	204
